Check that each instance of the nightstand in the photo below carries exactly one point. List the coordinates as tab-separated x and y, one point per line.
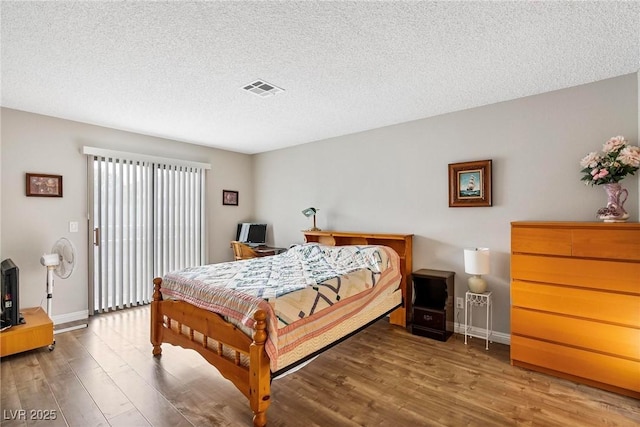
432	312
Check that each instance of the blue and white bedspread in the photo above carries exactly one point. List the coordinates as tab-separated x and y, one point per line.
306	292
271	277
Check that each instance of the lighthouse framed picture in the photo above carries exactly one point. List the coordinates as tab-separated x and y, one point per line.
470	184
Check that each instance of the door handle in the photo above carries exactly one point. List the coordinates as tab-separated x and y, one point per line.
96	237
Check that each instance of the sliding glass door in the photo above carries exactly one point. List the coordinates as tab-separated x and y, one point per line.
147	219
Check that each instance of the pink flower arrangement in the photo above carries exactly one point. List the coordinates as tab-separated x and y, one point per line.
617	160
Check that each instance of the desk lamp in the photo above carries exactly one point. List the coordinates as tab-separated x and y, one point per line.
311	212
476	262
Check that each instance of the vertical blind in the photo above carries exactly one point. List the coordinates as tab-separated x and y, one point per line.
148	219
179	217
122	233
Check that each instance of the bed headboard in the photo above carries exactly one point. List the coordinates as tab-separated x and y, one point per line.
401	243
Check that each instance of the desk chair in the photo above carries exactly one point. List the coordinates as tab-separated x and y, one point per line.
242	251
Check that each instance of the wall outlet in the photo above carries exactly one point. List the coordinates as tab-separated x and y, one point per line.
459	302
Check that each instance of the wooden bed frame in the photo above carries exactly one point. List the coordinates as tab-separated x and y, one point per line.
238	358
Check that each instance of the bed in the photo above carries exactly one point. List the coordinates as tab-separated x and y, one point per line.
251	350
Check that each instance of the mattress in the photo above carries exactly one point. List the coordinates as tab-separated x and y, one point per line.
313	294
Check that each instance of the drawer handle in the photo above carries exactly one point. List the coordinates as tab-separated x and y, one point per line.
427	317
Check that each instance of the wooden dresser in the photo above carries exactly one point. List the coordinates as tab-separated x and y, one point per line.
575	302
401	243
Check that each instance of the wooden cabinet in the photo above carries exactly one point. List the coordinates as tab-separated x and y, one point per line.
433	304
37	331
575	302
401	243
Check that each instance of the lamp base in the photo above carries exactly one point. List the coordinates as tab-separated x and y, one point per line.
313	229
477	285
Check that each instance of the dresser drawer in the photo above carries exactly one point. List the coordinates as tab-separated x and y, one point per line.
589	304
555	241
587	273
612	244
434	319
593	366
605	242
592	335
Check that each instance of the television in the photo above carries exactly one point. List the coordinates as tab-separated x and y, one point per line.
251	233
10	302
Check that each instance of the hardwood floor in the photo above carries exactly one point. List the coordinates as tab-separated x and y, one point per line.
105	375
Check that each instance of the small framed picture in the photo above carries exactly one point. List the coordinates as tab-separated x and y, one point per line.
470	184
229	197
43	185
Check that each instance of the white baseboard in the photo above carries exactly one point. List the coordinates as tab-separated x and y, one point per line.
499	337
70	317
70	328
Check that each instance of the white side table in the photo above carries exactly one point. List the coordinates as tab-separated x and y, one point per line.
478	300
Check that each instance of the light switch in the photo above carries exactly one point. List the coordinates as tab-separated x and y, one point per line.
73	226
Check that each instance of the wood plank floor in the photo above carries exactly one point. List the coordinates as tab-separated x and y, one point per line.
105	375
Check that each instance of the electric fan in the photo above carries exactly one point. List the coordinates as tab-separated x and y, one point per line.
60	261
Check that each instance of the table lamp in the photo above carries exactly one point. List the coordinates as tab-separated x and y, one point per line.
311	212
476	262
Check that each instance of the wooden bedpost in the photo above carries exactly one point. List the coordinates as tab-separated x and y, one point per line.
259	372
156	317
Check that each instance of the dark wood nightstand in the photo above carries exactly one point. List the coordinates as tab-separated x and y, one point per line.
433	305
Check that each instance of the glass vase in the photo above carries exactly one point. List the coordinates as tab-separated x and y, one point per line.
614	211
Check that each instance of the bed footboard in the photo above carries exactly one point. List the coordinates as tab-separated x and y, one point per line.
237	357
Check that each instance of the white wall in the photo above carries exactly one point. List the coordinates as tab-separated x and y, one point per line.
1	188
394	179
30	225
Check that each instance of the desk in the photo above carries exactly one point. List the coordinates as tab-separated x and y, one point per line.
268	250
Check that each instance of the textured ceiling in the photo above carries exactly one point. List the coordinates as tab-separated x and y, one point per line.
176	69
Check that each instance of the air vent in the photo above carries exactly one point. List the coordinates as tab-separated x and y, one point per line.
262	88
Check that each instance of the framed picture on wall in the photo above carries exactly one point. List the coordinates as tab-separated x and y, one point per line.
470	184
43	185
229	197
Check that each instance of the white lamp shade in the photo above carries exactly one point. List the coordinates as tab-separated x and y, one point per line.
476	261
